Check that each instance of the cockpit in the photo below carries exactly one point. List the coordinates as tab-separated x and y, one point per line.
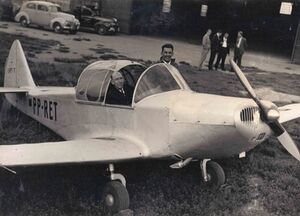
96	80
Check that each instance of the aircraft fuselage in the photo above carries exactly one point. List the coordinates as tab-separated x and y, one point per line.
180	122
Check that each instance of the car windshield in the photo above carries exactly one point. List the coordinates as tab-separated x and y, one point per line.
156	79
87	12
55	9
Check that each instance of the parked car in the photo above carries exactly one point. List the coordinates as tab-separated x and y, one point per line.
46	14
89	20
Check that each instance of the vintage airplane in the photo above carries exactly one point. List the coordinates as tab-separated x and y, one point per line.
166	119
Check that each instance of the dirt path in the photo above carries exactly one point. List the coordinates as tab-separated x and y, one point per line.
141	47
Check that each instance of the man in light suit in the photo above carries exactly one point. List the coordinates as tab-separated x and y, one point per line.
205	47
240	46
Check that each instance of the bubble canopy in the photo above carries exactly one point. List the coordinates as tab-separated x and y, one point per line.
95	79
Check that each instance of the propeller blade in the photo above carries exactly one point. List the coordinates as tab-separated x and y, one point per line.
287	142
248	87
277	128
279	131
244	80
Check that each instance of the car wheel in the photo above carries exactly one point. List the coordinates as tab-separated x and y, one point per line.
57	28
73	32
101	30
24	22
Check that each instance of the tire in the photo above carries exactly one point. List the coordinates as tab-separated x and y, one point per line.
215	174
115	197
57	28
101	30
24	21
73	32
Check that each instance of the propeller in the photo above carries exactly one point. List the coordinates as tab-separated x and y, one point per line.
269	114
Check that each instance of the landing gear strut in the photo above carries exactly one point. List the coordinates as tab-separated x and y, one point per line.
212	173
115	195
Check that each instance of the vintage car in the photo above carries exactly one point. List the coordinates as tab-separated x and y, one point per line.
89	20
46	14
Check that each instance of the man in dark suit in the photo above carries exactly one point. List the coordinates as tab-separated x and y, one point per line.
240	46
119	92
224	51
215	47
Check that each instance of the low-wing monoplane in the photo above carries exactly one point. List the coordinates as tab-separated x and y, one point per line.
165	120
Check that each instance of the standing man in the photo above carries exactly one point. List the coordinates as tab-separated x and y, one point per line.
240	46
205	47
215	47
224	51
167	51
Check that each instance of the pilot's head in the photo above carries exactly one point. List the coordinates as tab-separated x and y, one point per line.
117	80
167	52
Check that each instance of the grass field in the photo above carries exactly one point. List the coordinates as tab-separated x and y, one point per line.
266	182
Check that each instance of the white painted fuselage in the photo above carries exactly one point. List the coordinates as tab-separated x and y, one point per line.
176	123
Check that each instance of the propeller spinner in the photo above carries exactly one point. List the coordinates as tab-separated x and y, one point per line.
269	114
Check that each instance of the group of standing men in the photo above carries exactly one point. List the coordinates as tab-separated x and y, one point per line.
219	46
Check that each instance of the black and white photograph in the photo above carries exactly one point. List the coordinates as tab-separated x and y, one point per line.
150	107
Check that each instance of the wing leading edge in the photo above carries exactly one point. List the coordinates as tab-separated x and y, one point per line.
13	90
73	151
289	112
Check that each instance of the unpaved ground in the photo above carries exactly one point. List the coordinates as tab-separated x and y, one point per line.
141	47
88	46
264	183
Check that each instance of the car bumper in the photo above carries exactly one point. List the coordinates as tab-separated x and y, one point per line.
113	29
73	26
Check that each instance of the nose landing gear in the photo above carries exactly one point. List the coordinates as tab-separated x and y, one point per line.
212	173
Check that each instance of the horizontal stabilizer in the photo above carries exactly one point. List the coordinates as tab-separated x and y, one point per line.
289	112
73	151
13	90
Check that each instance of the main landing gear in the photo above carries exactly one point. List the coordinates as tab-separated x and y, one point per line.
115	195
212	173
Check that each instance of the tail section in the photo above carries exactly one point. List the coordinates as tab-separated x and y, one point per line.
17	72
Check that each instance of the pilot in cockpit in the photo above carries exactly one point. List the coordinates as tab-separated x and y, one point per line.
118	91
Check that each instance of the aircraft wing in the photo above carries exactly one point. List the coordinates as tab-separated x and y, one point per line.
289	112
13	90
73	151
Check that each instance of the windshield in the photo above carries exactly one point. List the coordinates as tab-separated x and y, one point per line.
157	79
55	9
87	12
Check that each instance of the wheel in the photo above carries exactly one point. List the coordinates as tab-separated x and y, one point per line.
57	28
24	22
115	197
216	175
101	30
73	32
